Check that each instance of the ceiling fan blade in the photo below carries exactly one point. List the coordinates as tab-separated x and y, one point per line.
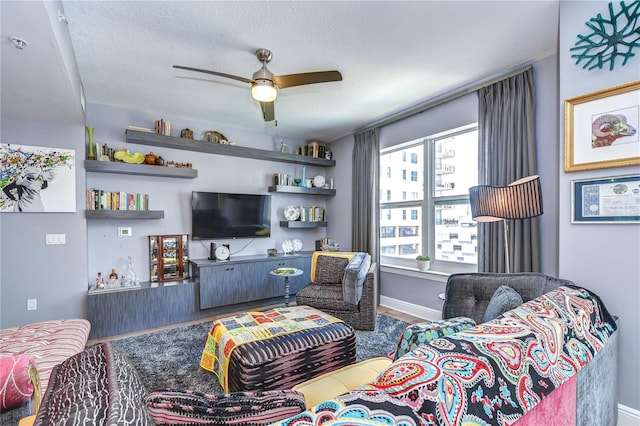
221	74
291	80
267	111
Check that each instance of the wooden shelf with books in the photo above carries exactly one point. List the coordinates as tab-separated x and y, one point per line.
124	214
301	190
152	139
301	224
139	169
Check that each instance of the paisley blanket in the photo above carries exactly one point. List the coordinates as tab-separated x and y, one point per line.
491	374
226	334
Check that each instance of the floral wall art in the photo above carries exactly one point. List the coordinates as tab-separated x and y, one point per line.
37	179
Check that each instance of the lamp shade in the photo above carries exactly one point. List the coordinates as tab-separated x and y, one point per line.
521	199
264	91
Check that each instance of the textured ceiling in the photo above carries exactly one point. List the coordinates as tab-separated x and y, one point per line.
392	55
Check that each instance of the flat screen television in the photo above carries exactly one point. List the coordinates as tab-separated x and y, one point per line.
218	215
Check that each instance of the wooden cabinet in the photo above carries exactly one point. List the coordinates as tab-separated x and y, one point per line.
245	279
168	257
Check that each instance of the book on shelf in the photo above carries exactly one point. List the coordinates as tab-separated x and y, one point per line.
162	127
312	214
139	129
98	199
312	149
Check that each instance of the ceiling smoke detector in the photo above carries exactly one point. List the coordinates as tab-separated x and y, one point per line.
18	42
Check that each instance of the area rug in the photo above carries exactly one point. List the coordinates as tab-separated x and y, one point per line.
171	358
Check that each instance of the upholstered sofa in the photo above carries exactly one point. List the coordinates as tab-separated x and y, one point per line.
28	353
550	360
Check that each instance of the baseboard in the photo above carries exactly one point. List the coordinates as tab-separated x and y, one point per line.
411	308
628	416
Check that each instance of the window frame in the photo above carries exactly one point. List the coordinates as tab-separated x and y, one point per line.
428	204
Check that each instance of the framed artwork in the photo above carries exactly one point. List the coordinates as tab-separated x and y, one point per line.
606	200
37	179
601	129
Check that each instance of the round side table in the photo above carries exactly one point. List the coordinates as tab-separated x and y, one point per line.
286	273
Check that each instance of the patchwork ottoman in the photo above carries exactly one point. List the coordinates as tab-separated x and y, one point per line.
277	348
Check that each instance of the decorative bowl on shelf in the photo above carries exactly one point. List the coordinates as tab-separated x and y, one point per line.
272	251
331	247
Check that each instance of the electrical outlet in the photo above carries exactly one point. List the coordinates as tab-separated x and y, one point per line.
32	304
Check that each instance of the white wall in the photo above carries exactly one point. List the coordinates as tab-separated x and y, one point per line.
603	258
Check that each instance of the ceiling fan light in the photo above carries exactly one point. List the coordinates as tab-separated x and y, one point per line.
264	91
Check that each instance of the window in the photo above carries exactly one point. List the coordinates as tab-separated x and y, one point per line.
439	215
389	172
388	195
387	232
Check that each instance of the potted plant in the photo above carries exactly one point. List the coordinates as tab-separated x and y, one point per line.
424	262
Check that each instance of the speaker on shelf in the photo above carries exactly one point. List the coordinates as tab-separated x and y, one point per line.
212	252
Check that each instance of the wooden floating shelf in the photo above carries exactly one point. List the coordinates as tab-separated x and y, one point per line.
302	225
301	190
153	139
124	214
139	169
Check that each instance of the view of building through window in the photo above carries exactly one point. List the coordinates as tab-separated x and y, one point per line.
424	187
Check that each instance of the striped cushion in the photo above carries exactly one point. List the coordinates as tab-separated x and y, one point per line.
178	407
284	361
49	342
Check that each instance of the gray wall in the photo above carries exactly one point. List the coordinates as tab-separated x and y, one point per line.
215	173
603	258
424	292
55	275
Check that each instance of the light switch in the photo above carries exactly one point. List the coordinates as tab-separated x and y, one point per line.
51	239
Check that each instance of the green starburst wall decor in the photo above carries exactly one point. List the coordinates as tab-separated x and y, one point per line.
610	39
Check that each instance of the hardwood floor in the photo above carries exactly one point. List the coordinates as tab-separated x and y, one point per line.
381	309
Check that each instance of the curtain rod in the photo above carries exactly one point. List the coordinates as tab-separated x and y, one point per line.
465	90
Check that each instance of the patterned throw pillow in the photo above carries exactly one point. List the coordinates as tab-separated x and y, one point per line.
15	388
422	333
98	386
179	407
330	269
504	299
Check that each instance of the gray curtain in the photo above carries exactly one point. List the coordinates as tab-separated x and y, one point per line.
507	152
366	168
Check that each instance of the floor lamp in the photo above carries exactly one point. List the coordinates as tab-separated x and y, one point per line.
521	199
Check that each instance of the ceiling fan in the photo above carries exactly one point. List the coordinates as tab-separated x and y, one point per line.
264	84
